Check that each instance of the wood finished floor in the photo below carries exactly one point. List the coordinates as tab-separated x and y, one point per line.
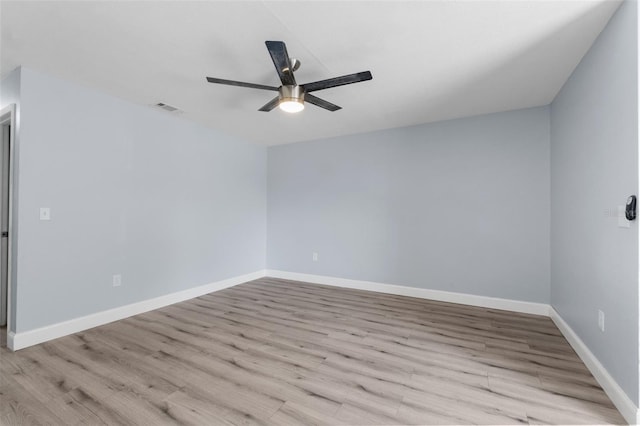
281	352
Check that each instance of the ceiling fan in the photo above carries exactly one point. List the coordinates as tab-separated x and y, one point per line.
291	95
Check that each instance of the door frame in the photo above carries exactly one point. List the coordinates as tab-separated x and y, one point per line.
8	116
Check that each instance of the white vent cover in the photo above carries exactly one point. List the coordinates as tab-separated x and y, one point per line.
167	107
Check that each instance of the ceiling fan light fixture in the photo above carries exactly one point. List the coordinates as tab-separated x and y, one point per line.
291	105
291	98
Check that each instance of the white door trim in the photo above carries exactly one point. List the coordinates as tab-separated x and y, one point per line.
8	116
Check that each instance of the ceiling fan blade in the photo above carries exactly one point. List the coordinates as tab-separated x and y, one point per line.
240	84
270	105
337	81
320	102
280	58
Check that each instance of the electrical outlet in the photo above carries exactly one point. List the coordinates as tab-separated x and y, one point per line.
45	213
601	320
315	256
117	280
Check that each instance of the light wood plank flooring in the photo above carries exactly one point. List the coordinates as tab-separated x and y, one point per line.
281	352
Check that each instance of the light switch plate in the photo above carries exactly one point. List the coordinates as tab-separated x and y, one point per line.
622	219
45	213
601	320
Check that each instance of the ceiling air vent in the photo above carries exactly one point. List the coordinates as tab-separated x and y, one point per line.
168	107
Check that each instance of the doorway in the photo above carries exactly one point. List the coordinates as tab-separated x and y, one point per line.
7	127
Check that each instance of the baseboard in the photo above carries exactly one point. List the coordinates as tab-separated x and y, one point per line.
625	405
620	399
25	339
422	293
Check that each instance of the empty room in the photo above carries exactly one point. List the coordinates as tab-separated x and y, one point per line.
319	212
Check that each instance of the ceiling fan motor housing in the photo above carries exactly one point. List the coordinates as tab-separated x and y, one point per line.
291	93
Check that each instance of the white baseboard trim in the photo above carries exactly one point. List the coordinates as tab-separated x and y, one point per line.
25	339
620	399
422	293
627	408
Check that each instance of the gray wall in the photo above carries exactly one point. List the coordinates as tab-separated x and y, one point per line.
10	89
461	206
167	204
594	167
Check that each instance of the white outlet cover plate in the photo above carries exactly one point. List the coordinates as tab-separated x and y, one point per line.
45	213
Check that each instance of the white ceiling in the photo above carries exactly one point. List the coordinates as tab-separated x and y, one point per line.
431	60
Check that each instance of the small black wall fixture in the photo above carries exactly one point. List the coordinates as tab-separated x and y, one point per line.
630	209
